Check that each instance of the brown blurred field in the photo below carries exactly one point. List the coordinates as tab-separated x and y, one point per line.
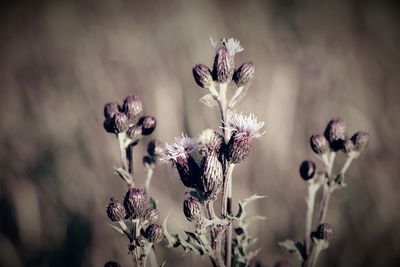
60	61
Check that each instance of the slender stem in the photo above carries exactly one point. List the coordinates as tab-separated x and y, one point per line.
129	156
227	210
149	176
312	260
310	200
345	167
216	238
124	164
325	204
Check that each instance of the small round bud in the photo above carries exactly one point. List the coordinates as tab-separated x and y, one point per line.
360	140
154	233
324	231
212	176
244	74
152	215
112	264
110	109
335	132
193	209
115	210
238	148
307	170
148	124
319	144
148	161
134	133
155	148
135	202
348	146
133	108
120	122
141	241
223	65
202	75
109	125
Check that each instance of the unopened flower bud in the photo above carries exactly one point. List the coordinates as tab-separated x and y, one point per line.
110	109
335	132
155	148
112	264
115	210
135	202
348	146
109	125
133	108
202	75
148	124
323	232
193	209
189	171
244	74
148	161
134	133
360	140
319	144
223	65
212	175
152	215
307	170
154	233
141	241
120	122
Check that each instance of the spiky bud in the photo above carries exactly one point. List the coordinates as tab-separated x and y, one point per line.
152	215
110	109
223	65
319	144
244	74
135	202
238	148
335	132
307	170
134	133
154	233
348	146
109	125
193	209
212	176
203	76
120	122
115	210
155	148
189	171
112	264
360	140
133	108
141	241
148	124
323	232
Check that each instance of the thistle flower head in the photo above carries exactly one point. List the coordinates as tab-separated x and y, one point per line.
180	148
319	144
224	63
135	202
211	176
335	132
120	122
360	140
307	170
244	125
154	233
244	74
152	215
115	210
133	108
348	146
232	45
148	124
193	209
323	232
110	109
210	142
202	75
155	148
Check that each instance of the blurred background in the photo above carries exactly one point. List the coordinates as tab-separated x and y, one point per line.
60	61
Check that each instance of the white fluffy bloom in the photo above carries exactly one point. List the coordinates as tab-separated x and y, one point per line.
232	45
242	124
181	147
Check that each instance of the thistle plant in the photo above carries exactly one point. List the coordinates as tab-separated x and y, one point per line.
325	146
205	164
136	217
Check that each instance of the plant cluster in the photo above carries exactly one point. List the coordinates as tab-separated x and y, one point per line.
137	216
325	146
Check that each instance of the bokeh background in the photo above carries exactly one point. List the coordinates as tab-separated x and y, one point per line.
60	61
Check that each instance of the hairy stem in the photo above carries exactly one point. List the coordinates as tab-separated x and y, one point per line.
122	151
227	210
216	237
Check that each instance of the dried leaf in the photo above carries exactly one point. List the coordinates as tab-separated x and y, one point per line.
209	100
